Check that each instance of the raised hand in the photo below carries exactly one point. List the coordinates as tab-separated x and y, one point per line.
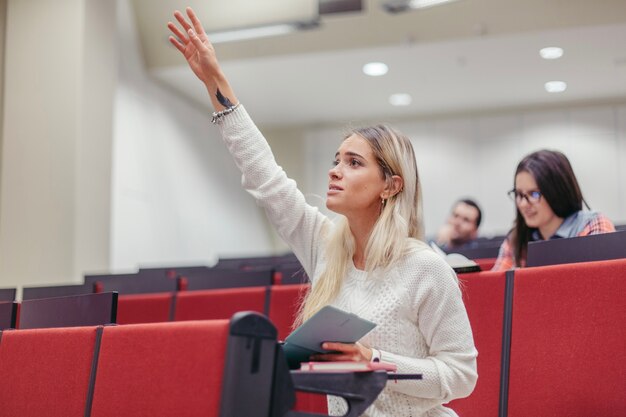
195	46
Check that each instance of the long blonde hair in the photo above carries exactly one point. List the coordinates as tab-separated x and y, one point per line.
398	230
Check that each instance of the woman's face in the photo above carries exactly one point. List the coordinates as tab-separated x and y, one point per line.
536	214
355	184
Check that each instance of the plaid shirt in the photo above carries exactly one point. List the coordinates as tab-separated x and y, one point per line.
581	223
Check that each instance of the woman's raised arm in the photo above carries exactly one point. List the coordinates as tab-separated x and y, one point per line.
195	46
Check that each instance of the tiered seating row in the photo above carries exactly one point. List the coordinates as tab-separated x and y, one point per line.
279	303
215	368
229	273
551	341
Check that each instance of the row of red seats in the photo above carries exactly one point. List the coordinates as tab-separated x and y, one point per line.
214	368
279	303
551	341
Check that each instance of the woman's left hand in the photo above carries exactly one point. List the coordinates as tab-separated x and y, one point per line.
355	352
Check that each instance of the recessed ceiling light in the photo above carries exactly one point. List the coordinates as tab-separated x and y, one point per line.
375	69
400	99
399	6
555	86
551	52
422	4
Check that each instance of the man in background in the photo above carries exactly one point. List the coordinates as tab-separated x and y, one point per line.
461	228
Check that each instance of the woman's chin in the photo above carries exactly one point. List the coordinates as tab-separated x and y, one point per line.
531	223
332	207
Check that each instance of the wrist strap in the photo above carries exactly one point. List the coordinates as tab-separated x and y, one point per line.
375	355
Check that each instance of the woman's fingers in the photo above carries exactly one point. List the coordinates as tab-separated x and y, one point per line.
178	33
197	25
181	19
177	44
344	352
341	347
197	42
334	357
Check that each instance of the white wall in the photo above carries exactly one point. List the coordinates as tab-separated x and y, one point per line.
476	156
58	80
177	196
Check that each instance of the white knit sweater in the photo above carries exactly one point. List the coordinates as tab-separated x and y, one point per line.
422	325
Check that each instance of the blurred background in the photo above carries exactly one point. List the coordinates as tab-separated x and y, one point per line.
109	161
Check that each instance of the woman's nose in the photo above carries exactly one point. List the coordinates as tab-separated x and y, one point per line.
334	172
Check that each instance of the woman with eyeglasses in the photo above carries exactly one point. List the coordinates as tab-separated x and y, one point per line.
549	205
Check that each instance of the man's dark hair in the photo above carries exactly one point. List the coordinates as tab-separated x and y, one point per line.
474	204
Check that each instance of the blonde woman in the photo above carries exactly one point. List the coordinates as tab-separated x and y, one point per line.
373	262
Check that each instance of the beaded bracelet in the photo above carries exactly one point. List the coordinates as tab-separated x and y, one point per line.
217	116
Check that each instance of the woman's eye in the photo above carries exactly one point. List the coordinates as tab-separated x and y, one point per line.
355	162
335	163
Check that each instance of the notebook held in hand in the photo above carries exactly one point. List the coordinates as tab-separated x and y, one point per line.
330	324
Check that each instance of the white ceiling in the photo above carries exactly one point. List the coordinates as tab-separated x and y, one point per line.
467	56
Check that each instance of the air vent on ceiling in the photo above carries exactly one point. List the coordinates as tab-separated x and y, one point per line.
340	6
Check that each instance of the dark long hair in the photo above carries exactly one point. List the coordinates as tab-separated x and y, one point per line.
558	185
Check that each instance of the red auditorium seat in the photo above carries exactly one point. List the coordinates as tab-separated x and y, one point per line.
144	308
45	372
284	303
568	345
483	294
486	263
219	304
161	369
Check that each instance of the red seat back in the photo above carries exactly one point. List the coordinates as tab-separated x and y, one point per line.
284	303
486	263
144	308
483	294
568	343
162	369
45	372
219	304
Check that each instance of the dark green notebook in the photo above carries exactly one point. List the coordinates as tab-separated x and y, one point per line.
330	324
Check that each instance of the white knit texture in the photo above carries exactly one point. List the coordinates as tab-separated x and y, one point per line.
422	325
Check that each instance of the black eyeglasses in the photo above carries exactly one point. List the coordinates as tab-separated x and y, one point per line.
532	197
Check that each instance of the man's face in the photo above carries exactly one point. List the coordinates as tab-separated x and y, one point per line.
463	221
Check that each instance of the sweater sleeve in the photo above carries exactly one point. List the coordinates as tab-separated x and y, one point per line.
449	369
298	223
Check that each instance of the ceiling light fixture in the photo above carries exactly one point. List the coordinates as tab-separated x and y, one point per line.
555	86
398	6
375	69
400	99
259	32
551	52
